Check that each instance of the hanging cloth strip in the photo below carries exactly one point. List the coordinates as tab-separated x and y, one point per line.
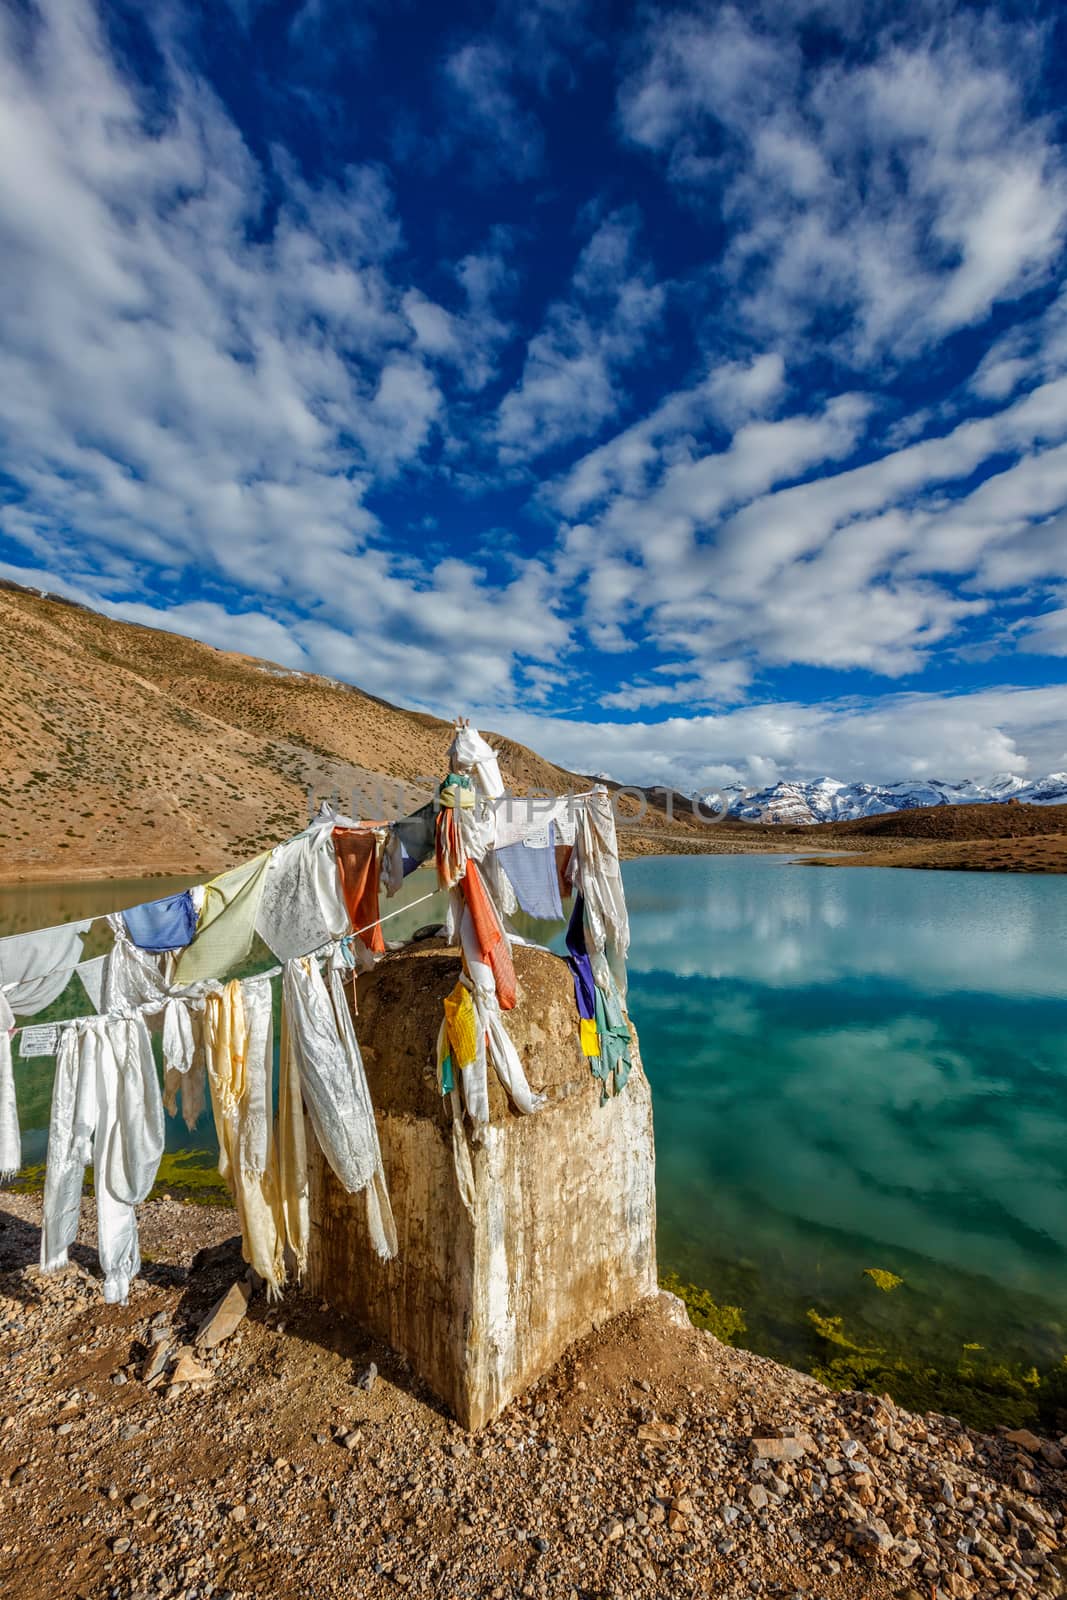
461	1155
612	1065
167	924
416	835
578	961
239	1046
10	1139
322	1042
471	753
494	1041
292	1154
36	967
227	922
607	927
493	947
532	871
106	1108
393	869
302	907
131	977
357	864
519	816
184	1061
451	853
461	1026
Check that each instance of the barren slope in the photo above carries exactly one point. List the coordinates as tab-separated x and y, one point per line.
126	749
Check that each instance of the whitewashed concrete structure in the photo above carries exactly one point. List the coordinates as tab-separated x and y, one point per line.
563	1231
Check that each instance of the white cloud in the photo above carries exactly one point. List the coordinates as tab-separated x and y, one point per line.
906	191
1046	634
893	737
480	77
721	560
199	392
570	381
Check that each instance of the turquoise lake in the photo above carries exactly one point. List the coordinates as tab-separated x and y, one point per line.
860	1068
852	1069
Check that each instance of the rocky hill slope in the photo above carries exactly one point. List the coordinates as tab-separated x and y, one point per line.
129	750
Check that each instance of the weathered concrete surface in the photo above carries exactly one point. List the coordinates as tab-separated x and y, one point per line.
564	1229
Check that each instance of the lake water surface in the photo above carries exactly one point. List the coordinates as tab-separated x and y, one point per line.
852	1069
860	1068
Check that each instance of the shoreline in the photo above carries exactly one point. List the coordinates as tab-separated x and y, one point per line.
832	1342
653	1458
641	845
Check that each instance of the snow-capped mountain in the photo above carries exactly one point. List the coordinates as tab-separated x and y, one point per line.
829	800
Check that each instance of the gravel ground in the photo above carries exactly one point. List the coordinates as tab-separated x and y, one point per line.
652	1460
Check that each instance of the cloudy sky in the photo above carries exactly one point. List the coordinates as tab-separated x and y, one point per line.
680	389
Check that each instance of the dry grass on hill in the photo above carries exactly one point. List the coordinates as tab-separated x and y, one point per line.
126	750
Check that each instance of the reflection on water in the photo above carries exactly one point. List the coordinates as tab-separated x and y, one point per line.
851	1069
859	1068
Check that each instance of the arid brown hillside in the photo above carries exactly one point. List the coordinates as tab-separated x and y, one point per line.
976	838
126	749
986	821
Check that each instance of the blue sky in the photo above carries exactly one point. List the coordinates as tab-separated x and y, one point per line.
680	389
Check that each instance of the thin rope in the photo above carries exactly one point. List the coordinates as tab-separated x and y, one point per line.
270	972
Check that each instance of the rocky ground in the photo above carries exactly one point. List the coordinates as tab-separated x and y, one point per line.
279	1462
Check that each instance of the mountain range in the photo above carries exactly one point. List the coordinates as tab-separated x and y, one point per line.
830	800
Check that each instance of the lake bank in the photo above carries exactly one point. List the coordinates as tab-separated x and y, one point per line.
653	1459
1041	853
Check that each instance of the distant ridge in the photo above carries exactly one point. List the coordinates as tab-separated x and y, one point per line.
830	800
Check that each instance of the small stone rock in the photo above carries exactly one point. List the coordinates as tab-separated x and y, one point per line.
224	1317
139	1502
870	1540
238	1513
659	1432
758	1496
156	1362
1024	1438
120	1546
188	1370
781	1449
368	1379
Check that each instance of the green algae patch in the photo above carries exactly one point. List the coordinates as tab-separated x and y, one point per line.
186	1174
909	1353
192	1175
28	1180
978	1388
886	1281
725	1322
